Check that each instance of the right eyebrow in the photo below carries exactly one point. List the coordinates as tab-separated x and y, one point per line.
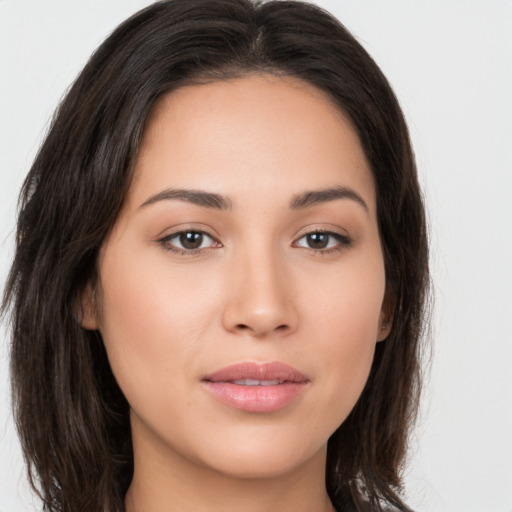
198	197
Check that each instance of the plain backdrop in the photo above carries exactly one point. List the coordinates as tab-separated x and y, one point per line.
450	63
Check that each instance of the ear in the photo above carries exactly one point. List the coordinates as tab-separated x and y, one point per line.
88	317
386	316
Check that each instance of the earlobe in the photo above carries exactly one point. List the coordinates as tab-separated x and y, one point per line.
386	317
88	315
384	328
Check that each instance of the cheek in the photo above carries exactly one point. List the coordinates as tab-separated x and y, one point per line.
348	314
347	305
152	320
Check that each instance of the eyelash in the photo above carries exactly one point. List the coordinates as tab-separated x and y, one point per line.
342	242
168	246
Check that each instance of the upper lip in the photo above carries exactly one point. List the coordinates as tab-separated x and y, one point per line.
257	371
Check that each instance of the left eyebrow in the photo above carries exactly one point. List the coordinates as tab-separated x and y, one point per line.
314	197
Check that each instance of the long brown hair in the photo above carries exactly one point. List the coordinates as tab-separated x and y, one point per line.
72	418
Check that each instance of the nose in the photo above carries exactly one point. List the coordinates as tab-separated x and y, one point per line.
260	300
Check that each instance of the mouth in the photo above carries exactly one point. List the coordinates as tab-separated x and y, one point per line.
255	382
256	387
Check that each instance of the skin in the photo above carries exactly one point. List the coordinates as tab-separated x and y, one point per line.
255	290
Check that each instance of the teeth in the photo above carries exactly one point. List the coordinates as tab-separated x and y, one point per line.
254	382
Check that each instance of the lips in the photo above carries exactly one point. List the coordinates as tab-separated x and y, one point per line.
256	387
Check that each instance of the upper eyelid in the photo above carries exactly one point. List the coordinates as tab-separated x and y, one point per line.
329	230
180	231
184	228
334	234
174	234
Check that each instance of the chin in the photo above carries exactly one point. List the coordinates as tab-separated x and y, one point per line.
257	468
265	458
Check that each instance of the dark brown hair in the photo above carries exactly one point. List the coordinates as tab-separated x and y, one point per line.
71	415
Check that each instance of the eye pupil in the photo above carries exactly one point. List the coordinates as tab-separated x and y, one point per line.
318	240
191	239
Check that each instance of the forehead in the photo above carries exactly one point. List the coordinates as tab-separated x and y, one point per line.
261	130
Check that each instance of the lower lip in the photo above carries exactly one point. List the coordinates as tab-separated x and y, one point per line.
256	398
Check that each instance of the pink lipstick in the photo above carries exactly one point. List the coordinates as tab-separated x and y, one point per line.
256	387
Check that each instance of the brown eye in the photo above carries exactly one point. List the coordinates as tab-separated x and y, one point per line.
191	239
317	240
323	240
187	241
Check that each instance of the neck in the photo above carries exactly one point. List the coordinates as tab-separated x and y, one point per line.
167	482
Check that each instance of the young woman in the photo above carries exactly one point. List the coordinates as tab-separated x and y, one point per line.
218	290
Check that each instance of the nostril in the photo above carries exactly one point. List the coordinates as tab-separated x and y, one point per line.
245	327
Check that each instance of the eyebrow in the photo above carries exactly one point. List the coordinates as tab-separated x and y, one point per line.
312	198
216	201
198	197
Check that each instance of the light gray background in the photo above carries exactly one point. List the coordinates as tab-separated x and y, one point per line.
450	63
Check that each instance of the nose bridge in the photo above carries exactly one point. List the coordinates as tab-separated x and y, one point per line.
261	297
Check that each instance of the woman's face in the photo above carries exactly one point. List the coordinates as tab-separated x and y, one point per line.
241	289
